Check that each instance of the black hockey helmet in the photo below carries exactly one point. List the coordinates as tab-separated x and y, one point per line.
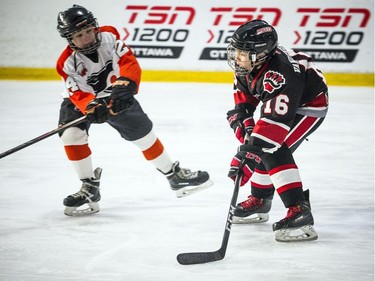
74	20
256	38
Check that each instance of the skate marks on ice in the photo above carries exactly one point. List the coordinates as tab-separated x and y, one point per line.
142	226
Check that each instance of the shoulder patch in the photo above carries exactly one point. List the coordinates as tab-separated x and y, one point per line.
272	81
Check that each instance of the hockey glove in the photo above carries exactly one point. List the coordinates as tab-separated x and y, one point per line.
241	120
97	111
244	162
122	96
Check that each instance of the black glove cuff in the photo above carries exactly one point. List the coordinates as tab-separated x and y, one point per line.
251	148
245	108
124	84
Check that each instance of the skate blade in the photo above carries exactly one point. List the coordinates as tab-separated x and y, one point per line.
185	191
304	233
254	218
75	212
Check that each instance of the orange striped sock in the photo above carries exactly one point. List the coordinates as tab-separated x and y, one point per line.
77	152
154	150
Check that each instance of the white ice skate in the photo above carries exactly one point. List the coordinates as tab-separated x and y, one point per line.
85	201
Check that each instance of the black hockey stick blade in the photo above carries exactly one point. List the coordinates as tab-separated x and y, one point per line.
204	257
44	136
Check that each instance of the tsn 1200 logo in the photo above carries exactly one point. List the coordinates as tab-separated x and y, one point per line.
225	20
328	28
158	15
320	30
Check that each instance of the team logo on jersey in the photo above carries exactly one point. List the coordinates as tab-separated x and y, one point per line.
81	69
273	81
98	80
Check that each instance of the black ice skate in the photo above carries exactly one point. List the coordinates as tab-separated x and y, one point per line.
184	182
298	223
89	194
252	210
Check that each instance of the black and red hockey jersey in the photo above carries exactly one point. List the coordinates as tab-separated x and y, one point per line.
288	84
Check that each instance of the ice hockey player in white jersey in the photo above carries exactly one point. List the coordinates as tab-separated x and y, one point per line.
294	98
102	76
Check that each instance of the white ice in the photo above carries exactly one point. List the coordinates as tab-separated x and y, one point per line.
142	226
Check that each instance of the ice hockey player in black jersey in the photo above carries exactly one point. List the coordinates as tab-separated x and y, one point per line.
293	95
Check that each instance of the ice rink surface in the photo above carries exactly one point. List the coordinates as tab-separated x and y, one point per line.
142	226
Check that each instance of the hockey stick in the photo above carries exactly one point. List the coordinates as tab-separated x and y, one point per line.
203	257
42	137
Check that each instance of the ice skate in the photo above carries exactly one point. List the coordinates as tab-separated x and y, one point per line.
184	182
297	225
252	210
89	194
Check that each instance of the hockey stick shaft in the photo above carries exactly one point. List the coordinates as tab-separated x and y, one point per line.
44	136
203	257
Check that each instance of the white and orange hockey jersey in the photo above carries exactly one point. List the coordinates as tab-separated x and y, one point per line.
88	77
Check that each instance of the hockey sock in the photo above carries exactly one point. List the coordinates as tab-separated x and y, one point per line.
154	152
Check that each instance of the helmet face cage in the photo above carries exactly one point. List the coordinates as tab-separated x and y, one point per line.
250	59
232	54
251	45
90	48
74	20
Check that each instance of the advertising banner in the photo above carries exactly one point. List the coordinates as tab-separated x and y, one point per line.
194	36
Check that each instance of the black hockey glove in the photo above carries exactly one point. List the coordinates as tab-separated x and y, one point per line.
122	96
241	120
97	111
244	162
